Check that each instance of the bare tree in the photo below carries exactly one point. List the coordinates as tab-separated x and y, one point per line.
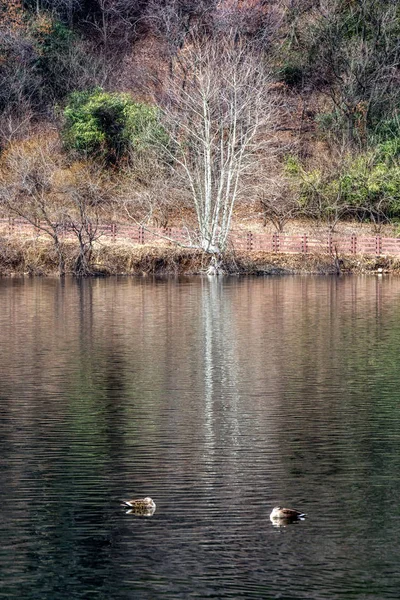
219	124
65	9
318	190
279	201
36	184
26	189
35	75
174	21
355	56
86	195
115	20
154	204
20	83
256	20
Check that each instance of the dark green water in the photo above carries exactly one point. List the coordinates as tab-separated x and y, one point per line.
220	399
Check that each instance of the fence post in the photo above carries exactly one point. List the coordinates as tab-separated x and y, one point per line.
141	235
353	243
378	245
10	225
249	241
113	231
304	246
330	244
275	242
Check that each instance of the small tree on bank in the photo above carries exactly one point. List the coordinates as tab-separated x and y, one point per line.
37	184
26	183
219	117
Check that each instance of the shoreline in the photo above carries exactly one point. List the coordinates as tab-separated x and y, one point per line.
37	257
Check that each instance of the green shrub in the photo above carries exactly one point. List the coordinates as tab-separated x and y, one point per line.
293	166
368	185
374	184
389	150
290	65
291	73
110	125
387	129
386	139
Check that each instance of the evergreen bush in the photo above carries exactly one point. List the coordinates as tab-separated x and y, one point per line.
110	125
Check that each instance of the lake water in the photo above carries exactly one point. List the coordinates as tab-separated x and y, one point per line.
219	399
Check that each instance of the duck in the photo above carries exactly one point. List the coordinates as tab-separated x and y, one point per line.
145	504
140	512
289	514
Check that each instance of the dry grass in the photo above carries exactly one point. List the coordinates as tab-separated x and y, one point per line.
36	256
127	259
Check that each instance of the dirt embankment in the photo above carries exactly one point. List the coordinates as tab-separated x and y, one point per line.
38	257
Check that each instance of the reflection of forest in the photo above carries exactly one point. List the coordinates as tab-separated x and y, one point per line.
274	346
253	344
254	390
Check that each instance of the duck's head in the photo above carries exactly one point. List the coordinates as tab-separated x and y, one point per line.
276	512
276	509
149	501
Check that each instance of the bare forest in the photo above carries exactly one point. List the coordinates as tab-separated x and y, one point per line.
203	115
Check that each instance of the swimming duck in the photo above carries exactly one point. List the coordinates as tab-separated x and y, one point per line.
286	513
145	504
140	512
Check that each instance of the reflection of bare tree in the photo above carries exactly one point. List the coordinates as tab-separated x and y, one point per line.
220	362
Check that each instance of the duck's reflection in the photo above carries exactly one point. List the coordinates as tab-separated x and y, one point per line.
284	522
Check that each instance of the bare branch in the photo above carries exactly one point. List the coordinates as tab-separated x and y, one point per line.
219	113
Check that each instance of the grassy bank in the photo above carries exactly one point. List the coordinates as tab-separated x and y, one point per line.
38	257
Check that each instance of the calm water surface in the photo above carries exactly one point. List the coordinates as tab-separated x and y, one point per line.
220	399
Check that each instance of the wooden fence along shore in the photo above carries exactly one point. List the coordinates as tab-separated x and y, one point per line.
239	240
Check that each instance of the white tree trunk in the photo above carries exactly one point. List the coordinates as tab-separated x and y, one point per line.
219	122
